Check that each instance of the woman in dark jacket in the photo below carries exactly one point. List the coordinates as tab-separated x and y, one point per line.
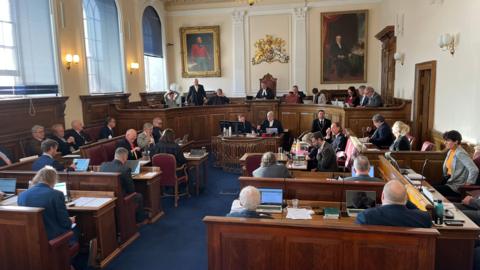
352	98
400	131
167	145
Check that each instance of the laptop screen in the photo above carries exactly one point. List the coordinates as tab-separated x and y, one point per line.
371	173
8	185
360	199
271	130
81	164
271	196
62	187
134	165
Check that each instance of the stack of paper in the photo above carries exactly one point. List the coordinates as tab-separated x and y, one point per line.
299	213
90	201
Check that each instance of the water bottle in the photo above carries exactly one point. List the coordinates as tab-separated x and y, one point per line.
439	211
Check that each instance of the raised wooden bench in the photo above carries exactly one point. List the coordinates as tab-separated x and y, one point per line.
24	243
101	151
248	243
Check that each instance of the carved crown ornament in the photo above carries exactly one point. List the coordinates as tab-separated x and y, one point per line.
270	49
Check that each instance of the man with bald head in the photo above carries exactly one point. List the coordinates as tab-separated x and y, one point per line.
130	143
393	211
196	94
270	122
80	137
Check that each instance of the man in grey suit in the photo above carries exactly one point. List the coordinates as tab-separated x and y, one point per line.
326	157
374	99
361	165
270	168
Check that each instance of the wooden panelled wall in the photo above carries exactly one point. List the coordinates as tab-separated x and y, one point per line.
202	122
18	116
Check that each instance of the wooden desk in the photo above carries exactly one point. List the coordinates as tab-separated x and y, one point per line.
197	162
93	222
228	150
455	245
147	183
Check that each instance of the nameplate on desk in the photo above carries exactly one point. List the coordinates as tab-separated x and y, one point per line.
90	201
72	156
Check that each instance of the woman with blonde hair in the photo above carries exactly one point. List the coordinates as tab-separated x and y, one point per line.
400	131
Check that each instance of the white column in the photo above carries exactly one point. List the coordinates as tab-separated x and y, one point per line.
300	48
238	87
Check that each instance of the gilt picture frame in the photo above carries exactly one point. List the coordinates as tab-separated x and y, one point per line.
200	49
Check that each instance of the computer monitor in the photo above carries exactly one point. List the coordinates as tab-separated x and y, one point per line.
271	196
371	172
81	164
271	130
8	185
360	199
134	166
62	187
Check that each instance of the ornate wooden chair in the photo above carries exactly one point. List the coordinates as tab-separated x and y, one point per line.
270	81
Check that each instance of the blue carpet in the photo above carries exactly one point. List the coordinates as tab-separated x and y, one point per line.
178	240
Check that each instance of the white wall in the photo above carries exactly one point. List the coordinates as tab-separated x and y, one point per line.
458	80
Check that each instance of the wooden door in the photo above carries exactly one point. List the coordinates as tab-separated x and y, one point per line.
424	102
389	47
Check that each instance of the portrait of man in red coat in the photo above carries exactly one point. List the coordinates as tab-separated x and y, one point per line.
200	54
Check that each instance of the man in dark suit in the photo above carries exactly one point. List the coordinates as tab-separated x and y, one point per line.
265	92
336	138
196	94
361	165
326	158
362	93
128	187
393	211
5	157
107	131
382	137
157	128
374	99
218	99
245	126
339	57
130	143
270	122
65	146
42	194
32	147
249	199
49	148
321	123
80	137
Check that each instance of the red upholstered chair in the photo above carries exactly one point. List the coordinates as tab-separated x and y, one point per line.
252	163
168	165
428	146
270	81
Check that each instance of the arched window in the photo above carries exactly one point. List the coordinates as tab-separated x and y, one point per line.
103	46
153	51
28	63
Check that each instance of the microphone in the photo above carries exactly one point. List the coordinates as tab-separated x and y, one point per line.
423	174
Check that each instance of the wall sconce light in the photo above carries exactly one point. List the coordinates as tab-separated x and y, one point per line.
448	42
69	59
399	57
134	66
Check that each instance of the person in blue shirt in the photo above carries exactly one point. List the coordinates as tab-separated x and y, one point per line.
249	200
42	194
394	211
49	148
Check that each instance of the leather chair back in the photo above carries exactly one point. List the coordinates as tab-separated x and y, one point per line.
428	146
168	165
96	155
252	163
270	81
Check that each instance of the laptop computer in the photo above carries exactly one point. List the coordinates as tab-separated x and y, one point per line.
197	152
271	200
81	164
359	200
271	130
371	173
62	187
8	186
134	165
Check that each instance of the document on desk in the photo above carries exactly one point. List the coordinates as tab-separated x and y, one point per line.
90	201
299	213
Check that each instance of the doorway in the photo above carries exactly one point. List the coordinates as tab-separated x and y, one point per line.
424	102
